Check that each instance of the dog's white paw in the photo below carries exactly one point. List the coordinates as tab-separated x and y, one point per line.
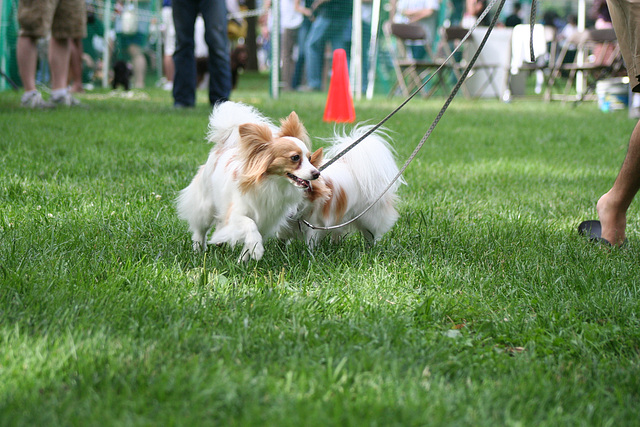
199	246
252	251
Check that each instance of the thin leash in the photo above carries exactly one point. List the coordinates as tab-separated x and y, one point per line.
532	24
440	114
435	73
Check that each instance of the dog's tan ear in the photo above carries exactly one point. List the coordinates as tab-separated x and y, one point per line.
255	139
292	126
316	158
253	133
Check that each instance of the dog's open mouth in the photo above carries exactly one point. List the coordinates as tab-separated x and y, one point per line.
299	182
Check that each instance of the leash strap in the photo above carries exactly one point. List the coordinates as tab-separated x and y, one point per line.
454	91
532	24
415	92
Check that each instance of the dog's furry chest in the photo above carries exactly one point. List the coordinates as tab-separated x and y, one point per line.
268	203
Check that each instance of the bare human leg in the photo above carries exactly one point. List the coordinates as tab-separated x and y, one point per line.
27	55
612	206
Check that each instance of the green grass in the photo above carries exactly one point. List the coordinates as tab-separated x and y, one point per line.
482	306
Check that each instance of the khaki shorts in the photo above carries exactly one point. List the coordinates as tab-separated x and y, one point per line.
62	19
625	15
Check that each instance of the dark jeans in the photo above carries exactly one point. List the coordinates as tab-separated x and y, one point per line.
325	29
303	32
214	13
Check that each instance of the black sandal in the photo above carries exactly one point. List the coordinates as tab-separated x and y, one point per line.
592	230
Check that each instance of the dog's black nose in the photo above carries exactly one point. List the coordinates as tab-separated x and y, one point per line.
315	175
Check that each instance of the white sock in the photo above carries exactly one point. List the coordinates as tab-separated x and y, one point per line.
58	93
29	94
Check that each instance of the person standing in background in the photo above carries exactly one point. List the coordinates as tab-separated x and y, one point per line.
65	20
168	45
290	21
132	33
214	13
331	24
473	10
515	18
613	205
93	48
599	12
75	66
423	13
304	8
456	12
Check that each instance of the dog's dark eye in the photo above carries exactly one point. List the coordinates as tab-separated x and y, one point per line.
295	158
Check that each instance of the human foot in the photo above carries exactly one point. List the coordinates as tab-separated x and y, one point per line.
612	219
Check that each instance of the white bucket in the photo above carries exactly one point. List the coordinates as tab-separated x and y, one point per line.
613	94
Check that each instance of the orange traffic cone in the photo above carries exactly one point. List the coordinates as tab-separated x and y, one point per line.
339	106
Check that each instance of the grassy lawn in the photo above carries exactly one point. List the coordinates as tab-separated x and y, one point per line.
481	307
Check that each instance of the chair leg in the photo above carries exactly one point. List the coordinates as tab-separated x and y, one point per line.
442	81
409	79
491	81
548	93
464	87
427	92
567	86
403	84
486	83
493	84
400	82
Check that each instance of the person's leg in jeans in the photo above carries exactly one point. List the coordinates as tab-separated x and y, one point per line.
184	80
214	13
340	34
317	40
366	40
303	32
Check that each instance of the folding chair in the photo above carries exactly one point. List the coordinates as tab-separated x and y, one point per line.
597	55
411	73
482	70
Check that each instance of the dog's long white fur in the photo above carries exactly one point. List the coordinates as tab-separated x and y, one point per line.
214	197
358	178
225	120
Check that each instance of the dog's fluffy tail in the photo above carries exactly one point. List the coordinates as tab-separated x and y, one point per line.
225	119
372	161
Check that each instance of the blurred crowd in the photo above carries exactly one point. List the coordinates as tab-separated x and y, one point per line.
309	31
309	28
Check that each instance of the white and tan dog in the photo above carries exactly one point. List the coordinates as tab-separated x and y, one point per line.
256	173
347	187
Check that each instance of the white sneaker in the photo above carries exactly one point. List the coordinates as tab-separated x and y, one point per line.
35	101
66	100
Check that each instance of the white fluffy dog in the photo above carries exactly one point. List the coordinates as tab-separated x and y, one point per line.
255	174
349	186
